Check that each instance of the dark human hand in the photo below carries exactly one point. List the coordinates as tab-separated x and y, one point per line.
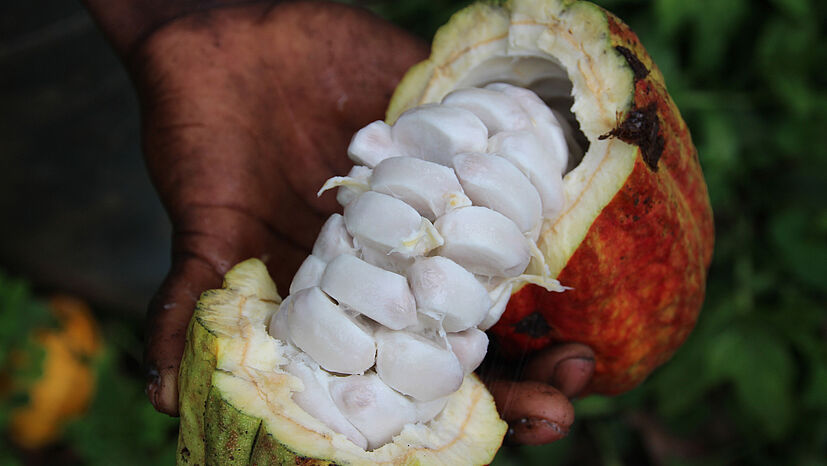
247	109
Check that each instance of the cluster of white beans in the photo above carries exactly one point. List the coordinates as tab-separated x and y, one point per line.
441	214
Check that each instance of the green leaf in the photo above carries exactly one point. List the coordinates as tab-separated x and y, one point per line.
759	367
815	391
719	148
121	427
802	248
20	314
680	385
594	406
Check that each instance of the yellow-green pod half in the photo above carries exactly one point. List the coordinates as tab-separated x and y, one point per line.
236	401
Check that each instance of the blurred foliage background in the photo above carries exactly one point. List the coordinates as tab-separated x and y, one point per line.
750	384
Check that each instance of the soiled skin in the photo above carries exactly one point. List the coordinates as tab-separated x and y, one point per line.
247	108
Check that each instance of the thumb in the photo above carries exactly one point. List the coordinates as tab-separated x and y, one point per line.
537	407
168	317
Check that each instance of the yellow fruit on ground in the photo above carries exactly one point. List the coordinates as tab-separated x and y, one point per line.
67	383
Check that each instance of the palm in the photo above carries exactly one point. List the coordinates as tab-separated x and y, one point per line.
252	114
247	112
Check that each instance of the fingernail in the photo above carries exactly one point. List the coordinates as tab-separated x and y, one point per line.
535	431
153	385
571	375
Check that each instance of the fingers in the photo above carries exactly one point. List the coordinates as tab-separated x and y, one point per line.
537	408
208	241
169	315
536	413
568	367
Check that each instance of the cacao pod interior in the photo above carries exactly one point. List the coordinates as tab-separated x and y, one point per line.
545	47
562	50
546	77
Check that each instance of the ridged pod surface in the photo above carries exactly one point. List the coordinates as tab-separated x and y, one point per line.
635	238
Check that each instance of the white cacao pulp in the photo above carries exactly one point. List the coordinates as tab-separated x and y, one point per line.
387	316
